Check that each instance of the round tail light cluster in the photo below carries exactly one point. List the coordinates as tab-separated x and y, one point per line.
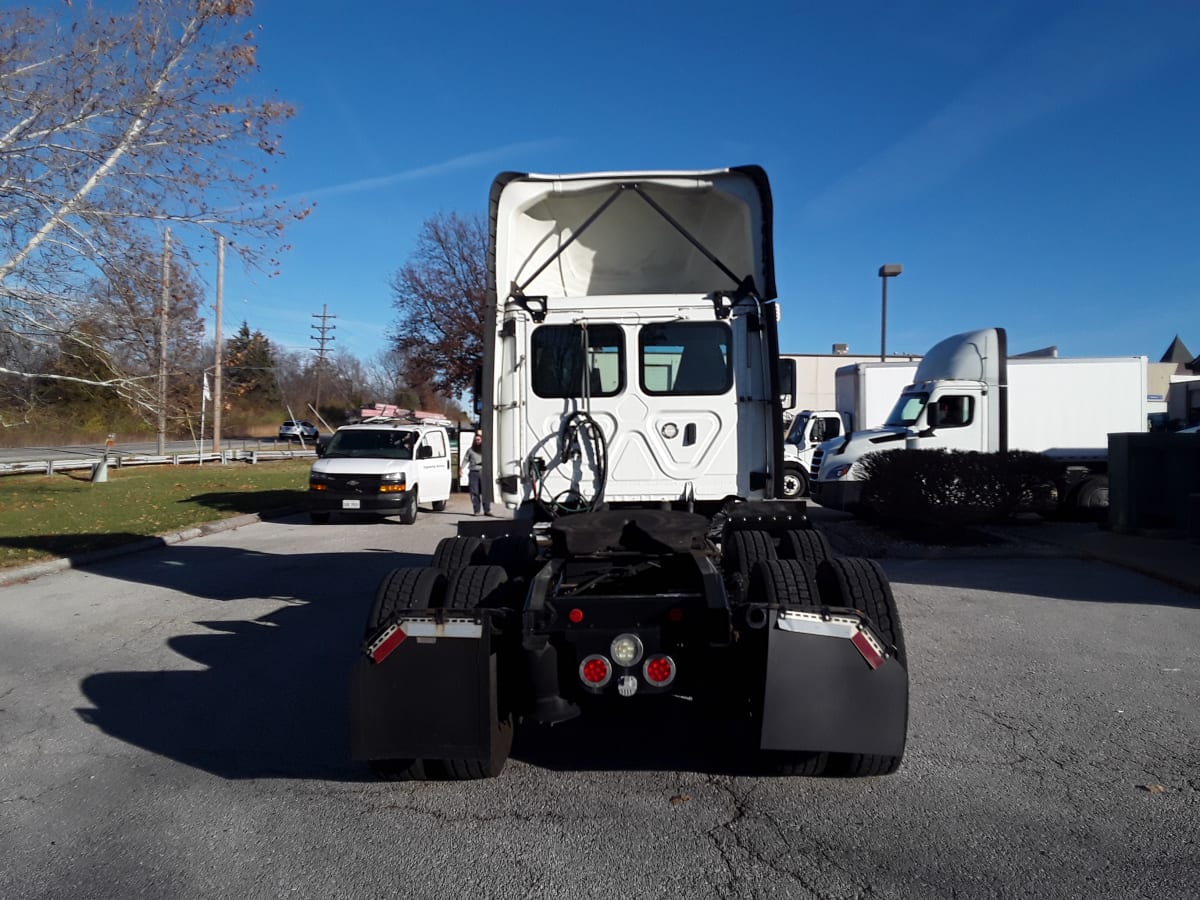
659	670
595	671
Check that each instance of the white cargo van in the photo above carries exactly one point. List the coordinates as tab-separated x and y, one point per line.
381	467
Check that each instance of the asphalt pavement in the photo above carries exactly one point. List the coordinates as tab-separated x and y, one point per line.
1168	558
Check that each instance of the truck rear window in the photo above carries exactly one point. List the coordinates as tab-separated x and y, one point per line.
569	360
685	358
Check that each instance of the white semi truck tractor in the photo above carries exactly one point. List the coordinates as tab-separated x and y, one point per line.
967	394
632	422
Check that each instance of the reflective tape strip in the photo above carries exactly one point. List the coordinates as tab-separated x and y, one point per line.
423	629
862	640
847	627
429	627
380	648
815	623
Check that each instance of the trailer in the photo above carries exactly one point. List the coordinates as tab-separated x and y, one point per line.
632	419
968	394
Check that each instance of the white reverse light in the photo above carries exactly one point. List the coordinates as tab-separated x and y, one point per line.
626	649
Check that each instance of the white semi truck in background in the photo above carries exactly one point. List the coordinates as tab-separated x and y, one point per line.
967	394
865	393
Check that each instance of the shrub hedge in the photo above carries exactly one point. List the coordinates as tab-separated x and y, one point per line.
948	488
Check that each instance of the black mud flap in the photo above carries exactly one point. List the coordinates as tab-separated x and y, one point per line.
831	686
432	694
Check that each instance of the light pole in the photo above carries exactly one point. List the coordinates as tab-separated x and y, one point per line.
891	270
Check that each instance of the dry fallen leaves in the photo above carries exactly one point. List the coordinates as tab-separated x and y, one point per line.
1153	788
680	798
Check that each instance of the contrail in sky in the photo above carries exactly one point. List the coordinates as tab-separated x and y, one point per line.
466	161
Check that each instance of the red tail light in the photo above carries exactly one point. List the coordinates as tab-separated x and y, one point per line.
595	671
659	670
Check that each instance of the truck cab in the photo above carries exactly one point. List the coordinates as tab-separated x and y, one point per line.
628	368
807	431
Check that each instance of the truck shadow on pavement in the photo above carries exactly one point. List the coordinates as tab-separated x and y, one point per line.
267	694
270	697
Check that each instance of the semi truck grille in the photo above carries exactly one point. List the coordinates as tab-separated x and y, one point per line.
815	469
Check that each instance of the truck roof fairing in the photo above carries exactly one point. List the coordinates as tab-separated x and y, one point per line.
970	356
611	233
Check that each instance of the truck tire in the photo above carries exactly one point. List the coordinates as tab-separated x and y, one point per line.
318	518
742	549
789	584
1092	493
419	587
438	505
862	585
806	545
472	588
475	586
795	482
402	589
455	553
409	515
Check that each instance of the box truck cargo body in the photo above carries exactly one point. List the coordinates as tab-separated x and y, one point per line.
867	391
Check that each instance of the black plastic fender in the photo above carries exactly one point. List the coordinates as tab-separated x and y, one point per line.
822	693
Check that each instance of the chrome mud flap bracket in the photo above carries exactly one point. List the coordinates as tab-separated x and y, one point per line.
424	687
832	686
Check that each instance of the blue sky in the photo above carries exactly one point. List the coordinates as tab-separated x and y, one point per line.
1031	165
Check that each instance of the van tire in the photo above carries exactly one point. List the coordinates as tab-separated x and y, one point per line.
438	505
409	515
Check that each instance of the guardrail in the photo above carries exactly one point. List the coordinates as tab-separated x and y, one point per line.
118	459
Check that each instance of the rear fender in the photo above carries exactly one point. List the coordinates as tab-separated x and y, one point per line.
831	686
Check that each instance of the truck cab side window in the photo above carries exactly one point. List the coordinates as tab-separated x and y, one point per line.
951	412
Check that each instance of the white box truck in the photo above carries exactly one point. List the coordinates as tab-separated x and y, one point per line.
967	394
866	391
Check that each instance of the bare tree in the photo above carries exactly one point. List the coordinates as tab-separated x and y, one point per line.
439	294
112	127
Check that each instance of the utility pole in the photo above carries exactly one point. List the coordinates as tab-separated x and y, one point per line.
323	338
217	338
162	344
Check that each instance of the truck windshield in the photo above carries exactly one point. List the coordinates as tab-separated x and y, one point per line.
908	409
795	434
375	444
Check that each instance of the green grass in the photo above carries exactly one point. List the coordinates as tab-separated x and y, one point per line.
44	517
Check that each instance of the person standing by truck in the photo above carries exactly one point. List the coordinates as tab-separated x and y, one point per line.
472	467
